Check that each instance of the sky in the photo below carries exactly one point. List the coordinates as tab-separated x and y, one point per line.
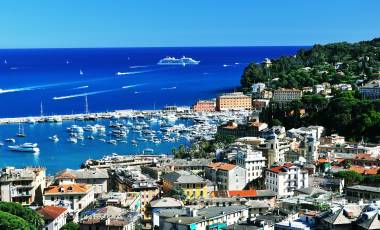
152	23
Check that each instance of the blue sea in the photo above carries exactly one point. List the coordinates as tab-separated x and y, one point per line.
59	79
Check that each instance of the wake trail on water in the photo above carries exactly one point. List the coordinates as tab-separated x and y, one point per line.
81	87
169	88
84	94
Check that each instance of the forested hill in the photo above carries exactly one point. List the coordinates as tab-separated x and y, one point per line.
334	63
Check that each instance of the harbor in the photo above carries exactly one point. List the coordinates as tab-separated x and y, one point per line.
63	141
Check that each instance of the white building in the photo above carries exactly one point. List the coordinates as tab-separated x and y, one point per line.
251	160
55	217
226	176
284	179
74	197
286	95
258	87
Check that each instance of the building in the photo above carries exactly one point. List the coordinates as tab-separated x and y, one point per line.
96	177
360	192
274	149
371	90
73	197
233	101
286	95
265	196
204	106
55	217
23	186
226	176
285	179
260	104
131	179
340	218
202	219
251	129
252	161
165	203
257	88
109	218
130	200
194	186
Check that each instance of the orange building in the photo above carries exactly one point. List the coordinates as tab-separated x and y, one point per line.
233	101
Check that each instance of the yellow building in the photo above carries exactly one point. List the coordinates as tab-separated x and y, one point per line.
233	101
194	186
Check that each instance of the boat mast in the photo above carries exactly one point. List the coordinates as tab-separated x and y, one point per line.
86	105
41	110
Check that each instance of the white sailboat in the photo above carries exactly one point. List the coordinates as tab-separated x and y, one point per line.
21	132
5	61
81	72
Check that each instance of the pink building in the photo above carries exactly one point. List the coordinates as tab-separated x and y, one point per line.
204	106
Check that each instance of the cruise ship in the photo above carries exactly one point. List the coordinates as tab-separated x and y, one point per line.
26	147
180	61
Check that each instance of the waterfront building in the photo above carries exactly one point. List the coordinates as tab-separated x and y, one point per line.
109	217
24	186
284	179
202	219
97	177
252	161
194	186
251	129
204	106
73	197
226	176
361	192
55	217
371	90
286	95
233	101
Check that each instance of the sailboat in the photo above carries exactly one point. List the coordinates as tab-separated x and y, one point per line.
21	132
67	61
5	61
81	72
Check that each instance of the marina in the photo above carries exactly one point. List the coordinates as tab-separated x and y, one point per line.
65	140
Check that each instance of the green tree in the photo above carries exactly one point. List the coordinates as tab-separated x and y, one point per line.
32	217
70	226
350	177
12	222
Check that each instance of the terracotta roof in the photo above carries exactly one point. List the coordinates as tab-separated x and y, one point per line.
68	188
281	168
65	175
372	171
362	170
222	166
363	156
242	193
322	160
51	212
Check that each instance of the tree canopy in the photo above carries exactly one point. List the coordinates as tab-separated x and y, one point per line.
33	218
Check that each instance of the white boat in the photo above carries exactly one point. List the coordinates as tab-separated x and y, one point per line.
72	140
178	61
57	119
54	138
31	120
81	72
148	151
10	140
113	142
75	129
90	128
100	128
26	147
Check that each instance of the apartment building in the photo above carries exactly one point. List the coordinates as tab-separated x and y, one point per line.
226	176
23	186
233	101
286	95
284	179
204	106
194	186
252	161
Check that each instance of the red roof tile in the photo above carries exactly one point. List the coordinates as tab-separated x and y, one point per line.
51	212
222	166
242	193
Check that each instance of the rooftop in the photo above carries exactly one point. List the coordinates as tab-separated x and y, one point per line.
83	174
68	188
365	188
221	166
183	177
51	212
166	202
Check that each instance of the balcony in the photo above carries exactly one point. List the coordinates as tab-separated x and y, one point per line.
21	194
